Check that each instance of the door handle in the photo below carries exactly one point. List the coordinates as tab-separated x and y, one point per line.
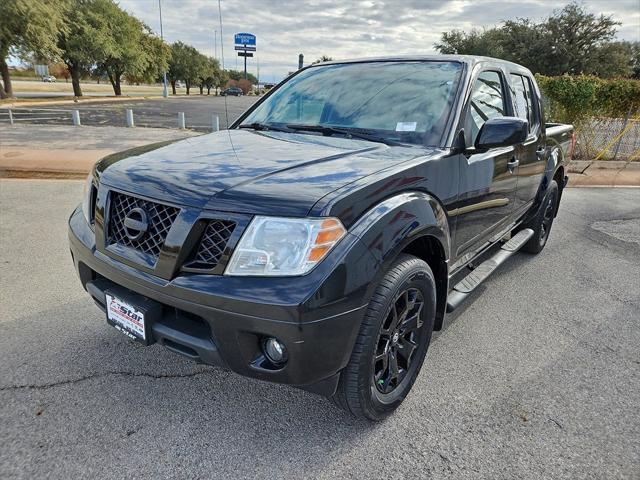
512	164
540	152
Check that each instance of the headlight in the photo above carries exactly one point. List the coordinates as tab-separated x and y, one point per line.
284	246
87	201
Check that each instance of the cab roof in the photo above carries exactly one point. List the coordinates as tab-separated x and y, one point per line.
470	60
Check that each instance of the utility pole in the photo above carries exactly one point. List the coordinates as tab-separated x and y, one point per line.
165	94
215	44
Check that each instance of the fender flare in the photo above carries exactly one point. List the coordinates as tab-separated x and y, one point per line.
389	227
400	219
555	160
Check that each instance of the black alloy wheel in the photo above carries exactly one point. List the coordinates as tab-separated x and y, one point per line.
398	340
542	222
392	342
547	217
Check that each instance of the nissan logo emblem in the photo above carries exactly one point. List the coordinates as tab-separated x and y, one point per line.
136	224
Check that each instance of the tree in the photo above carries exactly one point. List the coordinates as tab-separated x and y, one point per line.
206	70
221	80
570	41
209	83
238	75
577	37
158	54
244	85
177	63
208	74
103	37
79	43
185	64
195	66
614	59
123	50
323	58
477	42
634	62
60	70
28	26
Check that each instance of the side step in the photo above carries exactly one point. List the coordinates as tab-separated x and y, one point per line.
478	275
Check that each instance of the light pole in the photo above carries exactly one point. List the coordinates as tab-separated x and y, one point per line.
221	34
165	94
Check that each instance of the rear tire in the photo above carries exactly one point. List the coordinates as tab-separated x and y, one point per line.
392	342
542	222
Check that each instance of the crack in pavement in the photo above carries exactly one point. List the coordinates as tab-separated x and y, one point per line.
72	381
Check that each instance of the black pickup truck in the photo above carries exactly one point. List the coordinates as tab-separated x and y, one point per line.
322	238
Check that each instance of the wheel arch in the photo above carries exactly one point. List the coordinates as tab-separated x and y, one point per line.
415	223
554	170
558	176
429	249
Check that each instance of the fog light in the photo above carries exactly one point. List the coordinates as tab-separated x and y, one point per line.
275	351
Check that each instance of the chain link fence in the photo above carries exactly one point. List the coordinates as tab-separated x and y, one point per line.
609	139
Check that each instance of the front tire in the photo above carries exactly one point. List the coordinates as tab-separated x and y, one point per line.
392	342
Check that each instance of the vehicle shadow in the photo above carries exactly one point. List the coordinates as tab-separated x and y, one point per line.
511	264
87	373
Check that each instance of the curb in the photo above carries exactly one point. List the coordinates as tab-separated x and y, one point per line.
8	174
581	166
584	173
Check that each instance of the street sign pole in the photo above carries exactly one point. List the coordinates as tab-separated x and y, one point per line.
245	43
245	66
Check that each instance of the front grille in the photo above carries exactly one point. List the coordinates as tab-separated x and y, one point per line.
92	203
213	242
159	217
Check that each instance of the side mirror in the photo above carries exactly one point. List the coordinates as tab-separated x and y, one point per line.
501	132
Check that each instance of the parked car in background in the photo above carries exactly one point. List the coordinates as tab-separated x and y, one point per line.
232	91
323	237
179	84
49	79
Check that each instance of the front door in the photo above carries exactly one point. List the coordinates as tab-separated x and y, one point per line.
487	181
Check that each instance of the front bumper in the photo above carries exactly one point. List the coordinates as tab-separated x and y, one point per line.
222	321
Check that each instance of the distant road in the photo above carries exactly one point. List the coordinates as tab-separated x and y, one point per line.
157	112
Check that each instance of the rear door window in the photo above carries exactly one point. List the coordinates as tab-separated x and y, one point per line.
487	102
524	102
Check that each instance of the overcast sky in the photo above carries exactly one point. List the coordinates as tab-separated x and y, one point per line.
345	29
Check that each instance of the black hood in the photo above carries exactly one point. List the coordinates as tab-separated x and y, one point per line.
248	171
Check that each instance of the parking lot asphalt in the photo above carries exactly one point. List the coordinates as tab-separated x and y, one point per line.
536	376
158	112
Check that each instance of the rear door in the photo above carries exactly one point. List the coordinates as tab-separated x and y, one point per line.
487	184
531	154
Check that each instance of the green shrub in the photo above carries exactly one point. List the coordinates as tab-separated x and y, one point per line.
577	99
597	108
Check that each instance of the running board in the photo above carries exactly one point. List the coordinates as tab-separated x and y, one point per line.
479	274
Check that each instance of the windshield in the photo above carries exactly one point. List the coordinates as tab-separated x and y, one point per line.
404	102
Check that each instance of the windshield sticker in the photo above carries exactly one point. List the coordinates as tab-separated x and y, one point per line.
406	126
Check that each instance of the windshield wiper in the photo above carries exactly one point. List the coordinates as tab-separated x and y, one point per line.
348	132
264	126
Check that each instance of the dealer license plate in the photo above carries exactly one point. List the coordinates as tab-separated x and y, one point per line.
126	318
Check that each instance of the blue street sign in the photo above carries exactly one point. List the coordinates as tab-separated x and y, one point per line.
245	39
